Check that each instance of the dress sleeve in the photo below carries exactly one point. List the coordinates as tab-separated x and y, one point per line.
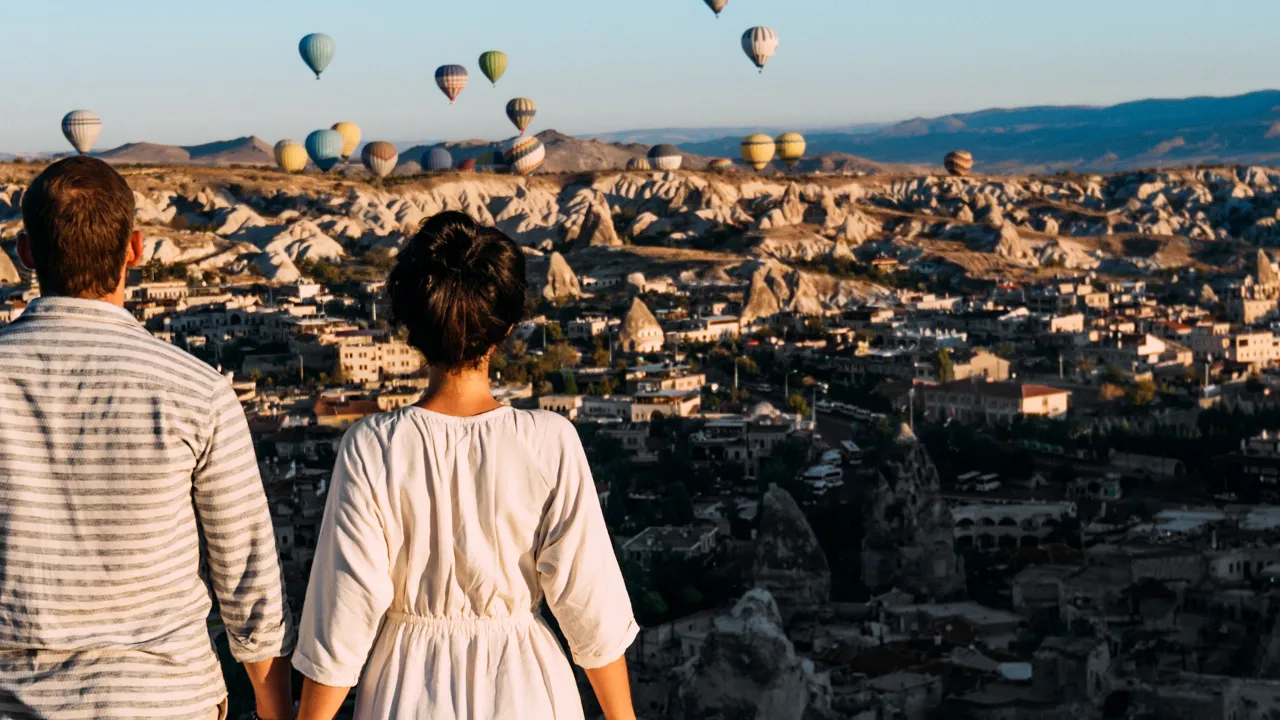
577	569
350	587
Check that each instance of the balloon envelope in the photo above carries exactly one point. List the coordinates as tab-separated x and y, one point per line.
291	156
493	64
665	157
959	163
437	159
757	150
639	163
451	79
81	128
468	165
717	6
760	43
380	158
791	147
317	51
720	165
325	148
350	133
525	154
491	161
521	112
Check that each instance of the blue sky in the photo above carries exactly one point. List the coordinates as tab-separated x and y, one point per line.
189	71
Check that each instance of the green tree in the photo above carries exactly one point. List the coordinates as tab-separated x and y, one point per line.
677	508
1142	394
653	606
1005	350
748	367
796	404
600	358
570	383
943	367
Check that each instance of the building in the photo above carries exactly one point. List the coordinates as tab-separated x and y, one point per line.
366	356
990	525
966	400
587	327
665	403
685	542
342	412
1255	349
566	405
704	330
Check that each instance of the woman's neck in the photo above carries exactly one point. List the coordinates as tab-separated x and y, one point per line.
460	392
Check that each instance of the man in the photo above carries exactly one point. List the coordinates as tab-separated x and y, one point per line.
124	463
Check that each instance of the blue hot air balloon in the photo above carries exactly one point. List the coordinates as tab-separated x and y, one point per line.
325	148
436	160
317	50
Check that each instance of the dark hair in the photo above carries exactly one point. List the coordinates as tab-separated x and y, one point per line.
459	288
78	214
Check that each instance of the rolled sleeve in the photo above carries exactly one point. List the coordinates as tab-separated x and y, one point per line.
240	541
577	568
350	588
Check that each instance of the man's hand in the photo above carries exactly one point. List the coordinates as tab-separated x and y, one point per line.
271	688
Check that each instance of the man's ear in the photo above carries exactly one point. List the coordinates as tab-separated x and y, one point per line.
134	257
25	256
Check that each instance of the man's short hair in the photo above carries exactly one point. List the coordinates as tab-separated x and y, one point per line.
78	214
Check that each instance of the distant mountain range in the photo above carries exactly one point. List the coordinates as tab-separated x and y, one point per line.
1244	129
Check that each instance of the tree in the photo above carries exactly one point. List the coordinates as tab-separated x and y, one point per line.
600	358
1142	394
653	607
748	366
559	356
1005	350
570	384
943	367
796	404
1110	392
678	506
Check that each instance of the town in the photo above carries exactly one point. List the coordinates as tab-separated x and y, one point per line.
1030	494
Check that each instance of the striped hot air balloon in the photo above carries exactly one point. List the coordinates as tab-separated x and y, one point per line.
491	161
639	163
380	158
324	147
317	51
82	128
494	65
717	6
524	155
720	165
350	133
790	148
521	112
959	162
665	157
760	43
291	156
468	165
437	159
757	150
451	79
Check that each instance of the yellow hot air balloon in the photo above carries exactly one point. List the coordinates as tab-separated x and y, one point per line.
757	150
350	133
790	148
291	156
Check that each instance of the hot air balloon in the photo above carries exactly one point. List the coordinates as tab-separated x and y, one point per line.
493	64
665	157
521	112
380	158
760	43
757	150
524	155
717	6
350	133
639	163
325	148
291	156
436	160
720	165
491	161
317	50
451	79
468	165
82	128
790	148
959	163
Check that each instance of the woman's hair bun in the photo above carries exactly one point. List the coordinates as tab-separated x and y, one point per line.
459	288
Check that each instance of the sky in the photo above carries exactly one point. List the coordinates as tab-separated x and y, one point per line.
188	71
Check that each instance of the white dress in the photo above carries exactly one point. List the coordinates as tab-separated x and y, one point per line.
441	538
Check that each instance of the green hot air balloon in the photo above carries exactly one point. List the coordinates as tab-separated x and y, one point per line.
493	64
521	112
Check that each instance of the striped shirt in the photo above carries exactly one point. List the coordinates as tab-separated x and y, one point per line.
128	487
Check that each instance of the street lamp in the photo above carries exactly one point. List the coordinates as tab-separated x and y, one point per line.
786	385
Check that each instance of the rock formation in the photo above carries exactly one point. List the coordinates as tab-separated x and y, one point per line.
1011	247
1267	275
747	669
909	542
562	282
8	270
640	331
789	562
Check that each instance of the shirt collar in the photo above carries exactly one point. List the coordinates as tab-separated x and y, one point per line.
79	309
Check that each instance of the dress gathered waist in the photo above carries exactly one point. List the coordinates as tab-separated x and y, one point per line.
464	623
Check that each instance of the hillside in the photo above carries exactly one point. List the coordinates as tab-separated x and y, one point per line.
245	151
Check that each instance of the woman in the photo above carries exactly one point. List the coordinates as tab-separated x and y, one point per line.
448	522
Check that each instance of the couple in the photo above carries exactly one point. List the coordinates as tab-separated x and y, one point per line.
129	488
